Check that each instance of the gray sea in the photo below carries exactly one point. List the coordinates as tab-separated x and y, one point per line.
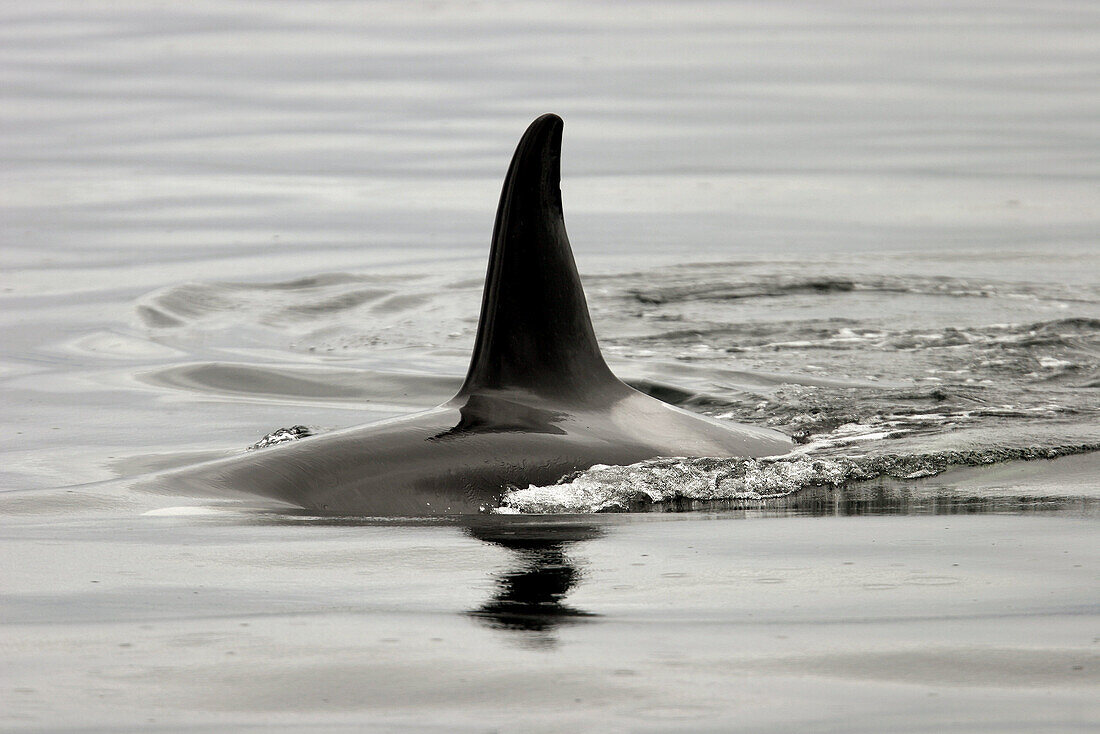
872	226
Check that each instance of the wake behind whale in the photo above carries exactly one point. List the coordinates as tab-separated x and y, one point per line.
538	402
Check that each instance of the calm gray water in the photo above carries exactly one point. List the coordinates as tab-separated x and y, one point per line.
873	227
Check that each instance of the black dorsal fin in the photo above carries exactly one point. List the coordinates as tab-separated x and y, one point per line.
535	333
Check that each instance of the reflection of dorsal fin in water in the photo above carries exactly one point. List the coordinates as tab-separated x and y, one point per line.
532	596
535	333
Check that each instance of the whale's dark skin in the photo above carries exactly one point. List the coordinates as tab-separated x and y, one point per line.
538	402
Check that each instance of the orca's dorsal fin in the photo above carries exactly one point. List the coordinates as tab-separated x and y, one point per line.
535	333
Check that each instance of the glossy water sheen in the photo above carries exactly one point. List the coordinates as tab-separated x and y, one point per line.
869	226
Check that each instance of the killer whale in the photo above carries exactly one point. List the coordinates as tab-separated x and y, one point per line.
538	401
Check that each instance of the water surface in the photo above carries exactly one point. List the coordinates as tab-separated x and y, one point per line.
873	228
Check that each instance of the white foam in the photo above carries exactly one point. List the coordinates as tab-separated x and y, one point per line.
613	488
183	511
1051	363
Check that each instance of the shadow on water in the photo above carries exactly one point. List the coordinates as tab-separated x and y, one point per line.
528	603
527	534
902	498
529	598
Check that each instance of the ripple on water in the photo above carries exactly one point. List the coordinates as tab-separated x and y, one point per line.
872	373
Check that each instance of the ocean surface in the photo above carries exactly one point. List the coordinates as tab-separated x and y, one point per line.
873	227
